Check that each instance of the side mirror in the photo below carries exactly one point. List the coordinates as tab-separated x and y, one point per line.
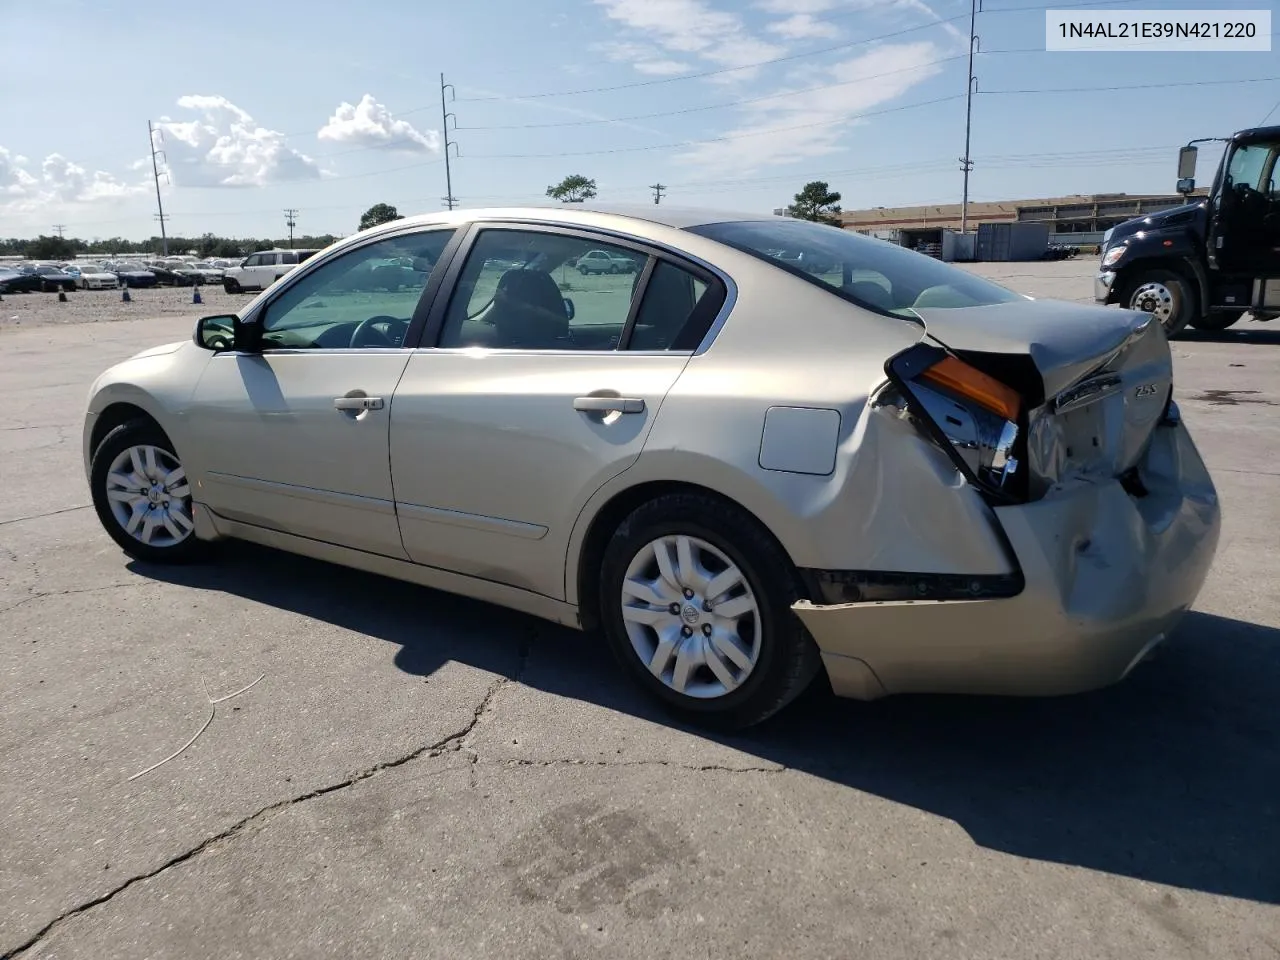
1186	186
568	308
216	333
1187	162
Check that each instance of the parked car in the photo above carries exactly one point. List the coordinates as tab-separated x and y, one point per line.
132	274
921	482
259	270
166	277
52	279
15	281
91	276
203	272
602	261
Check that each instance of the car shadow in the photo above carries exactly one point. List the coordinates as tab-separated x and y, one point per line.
1171	777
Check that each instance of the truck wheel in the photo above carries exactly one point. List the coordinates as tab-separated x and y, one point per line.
231	285
1217	321
1166	295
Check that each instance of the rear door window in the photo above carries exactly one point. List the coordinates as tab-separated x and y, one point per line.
874	274
676	311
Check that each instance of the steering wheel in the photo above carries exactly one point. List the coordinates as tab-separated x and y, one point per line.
369	329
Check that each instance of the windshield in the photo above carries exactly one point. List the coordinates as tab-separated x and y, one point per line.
876	274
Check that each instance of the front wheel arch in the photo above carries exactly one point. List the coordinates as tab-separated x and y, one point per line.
113	416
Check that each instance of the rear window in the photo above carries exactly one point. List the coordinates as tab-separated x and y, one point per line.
875	274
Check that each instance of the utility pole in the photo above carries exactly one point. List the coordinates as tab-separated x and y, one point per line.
966	162
155	172
657	189
291	218
448	198
58	228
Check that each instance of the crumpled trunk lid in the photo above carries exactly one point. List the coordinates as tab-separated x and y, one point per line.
1104	379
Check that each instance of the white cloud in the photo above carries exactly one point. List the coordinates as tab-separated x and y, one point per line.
802	26
58	182
370	124
804	7
644	58
817	122
226	148
800	13
693	28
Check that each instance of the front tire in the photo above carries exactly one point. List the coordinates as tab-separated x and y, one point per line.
1217	321
142	496
695	601
1166	295
230	285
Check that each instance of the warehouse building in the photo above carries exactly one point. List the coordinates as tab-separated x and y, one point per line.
1077	220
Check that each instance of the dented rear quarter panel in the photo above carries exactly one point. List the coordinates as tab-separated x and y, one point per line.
892	501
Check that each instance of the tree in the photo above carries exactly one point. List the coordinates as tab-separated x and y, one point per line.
573	189
817	202
51	248
379	213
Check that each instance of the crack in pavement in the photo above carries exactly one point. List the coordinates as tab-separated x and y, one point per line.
51	513
452	743
73	590
523	650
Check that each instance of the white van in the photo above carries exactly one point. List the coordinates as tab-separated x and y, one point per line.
260	270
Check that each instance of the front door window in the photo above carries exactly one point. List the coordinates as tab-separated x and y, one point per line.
363	298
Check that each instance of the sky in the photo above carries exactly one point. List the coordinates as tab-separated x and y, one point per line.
329	107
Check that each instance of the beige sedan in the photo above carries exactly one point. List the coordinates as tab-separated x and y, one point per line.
741	474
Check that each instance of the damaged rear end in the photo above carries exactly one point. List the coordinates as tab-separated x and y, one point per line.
1061	418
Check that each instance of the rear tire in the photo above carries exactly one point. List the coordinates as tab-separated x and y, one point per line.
1217	321
772	658
1168	296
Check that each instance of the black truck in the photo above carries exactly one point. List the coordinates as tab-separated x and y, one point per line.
1210	261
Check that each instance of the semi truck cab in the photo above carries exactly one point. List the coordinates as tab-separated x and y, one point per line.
1210	261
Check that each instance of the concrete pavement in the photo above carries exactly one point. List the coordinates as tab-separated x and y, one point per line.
422	775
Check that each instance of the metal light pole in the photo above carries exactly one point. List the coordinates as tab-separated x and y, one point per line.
155	172
966	163
449	198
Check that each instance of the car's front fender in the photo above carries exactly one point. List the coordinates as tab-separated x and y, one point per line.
158	382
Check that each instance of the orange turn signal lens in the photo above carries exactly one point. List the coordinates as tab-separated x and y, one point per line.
971	383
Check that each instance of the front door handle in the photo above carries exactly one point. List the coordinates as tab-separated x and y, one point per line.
357	403
609	404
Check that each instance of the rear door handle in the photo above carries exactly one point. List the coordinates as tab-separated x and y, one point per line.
357	403
609	404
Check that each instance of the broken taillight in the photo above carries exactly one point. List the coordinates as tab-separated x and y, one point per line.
977	419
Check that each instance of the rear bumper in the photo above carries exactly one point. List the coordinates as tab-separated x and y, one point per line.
1108	576
1103	286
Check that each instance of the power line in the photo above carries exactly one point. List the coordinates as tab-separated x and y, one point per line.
747	100
788	58
657	189
58	228
1139	86
728	137
715	73
291	218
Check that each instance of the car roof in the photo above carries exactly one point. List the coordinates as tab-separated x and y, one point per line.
670	216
